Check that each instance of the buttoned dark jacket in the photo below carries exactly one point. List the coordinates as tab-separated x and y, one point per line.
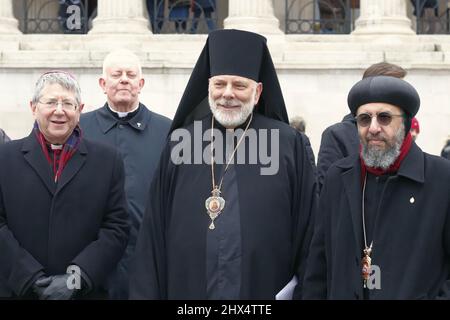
47	226
411	242
139	141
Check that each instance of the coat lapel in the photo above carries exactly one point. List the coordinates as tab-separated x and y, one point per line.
34	155
73	166
352	185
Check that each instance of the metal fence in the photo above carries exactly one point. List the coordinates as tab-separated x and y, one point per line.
431	16
75	16
200	16
320	16
57	16
182	16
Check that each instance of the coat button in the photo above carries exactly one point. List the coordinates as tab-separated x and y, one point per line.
121	126
412	200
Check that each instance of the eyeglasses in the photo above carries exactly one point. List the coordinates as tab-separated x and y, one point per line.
65	104
383	118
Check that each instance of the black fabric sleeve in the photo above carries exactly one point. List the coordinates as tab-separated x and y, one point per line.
102	255
148	266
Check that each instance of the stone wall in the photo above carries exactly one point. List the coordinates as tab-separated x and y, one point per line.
315	71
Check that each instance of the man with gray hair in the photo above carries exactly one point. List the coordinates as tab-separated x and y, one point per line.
63	218
139	136
383	225
298	123
225	227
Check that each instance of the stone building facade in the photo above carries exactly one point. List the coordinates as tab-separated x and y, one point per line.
316	71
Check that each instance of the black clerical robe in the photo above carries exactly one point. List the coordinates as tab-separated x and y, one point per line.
408	221
274	213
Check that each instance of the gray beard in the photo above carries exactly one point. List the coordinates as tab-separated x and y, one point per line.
375	158
232	119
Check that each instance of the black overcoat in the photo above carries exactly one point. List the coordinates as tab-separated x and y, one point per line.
45	227
411	236
338	141
275	215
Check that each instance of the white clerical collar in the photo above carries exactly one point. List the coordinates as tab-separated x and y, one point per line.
56	146
123	114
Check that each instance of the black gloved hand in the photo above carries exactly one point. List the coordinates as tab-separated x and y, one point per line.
58	289
40	285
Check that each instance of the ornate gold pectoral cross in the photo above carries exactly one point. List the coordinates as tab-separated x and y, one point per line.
366	265
215	203
214	206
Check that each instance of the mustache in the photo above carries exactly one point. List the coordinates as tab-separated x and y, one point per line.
378	137
227	103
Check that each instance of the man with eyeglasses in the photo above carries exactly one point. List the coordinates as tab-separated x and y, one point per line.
63	216
383	224
341	139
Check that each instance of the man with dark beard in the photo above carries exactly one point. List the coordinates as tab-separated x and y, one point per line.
383	224
222	228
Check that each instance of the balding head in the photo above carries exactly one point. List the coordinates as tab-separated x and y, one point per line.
122	80
121	56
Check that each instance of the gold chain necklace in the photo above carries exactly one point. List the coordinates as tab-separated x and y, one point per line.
366	260
215	203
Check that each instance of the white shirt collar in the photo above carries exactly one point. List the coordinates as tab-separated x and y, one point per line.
123	114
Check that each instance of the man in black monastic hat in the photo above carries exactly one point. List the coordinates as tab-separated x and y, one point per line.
341	139
383	225
235	227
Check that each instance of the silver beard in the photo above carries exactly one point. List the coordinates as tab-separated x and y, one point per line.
232	119
383	159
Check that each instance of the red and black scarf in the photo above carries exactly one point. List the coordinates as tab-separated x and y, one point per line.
60	156
404	149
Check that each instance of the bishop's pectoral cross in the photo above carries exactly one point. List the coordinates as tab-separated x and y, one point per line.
366	265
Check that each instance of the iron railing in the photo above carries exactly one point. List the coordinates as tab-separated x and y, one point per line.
432	16
182	16
319	16
200	16
75	16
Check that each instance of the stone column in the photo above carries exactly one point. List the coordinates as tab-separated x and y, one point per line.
120	16
383	17
8	24
252	15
